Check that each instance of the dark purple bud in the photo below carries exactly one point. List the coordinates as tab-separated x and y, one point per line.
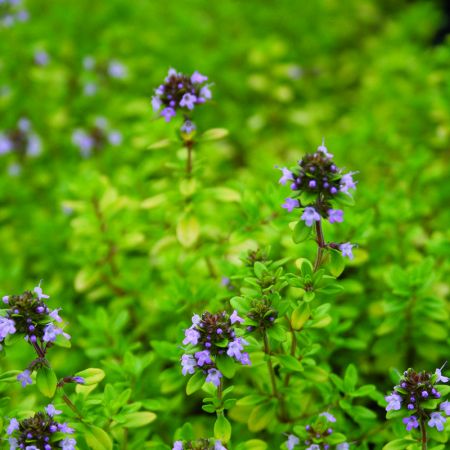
326	446
53	428
294	186
208	337
411	406
412	399
271	318
29	436
220	352
40	309
48	447
330	430
250	328
437	395
424	394
31	328
79	380
308	427
433	391
16	311
312	184
232	334
312	169
29	320
180	85
46	439
403	385
318	436
333	168
33	338
208	344
169	96
172	103
333	190
326	184
219	331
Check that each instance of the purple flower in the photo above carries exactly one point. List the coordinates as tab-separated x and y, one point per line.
310	215
197	77
25	378
437	421
41	58
313	447
235	318
335	215
410	422
13	426
440	377
343	446
188	126
203	358
287	175
5	144
7	326
68	444
177	445
64	428
115	137
5	299
55	316
346	249
192	336
38	291
218	446
188	101
347	182
168	113
324	150
445	406
235	347
156	103
90	89
13	444
214	377
116	69
172	72
79	380
394	402
245	360
328	416
290	204
84	142
205	93
52	411
51	332
292	441
189	364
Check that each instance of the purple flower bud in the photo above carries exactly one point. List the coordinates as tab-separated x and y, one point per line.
411	406
333	190
40	309
312	184
403	385
31	328
33	338
308	427
219	331
53	428
326	184
424	394
412	399
208	344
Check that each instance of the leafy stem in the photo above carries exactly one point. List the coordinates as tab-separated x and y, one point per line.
423	430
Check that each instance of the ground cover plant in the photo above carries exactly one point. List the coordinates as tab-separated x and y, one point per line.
224	225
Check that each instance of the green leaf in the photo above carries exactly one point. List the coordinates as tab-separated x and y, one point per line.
195	383
97	439
398	444
344	199
91	376
291	363
301	232
9	377
336	438
252	444
350	378
277	332
363	391
222	428
226	365
214	134
188	231
138	419
250	400
337	262
261	416
300	316
46	381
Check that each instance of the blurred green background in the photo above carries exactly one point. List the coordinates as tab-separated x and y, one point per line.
371	76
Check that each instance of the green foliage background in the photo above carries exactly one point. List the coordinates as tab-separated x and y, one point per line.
368	75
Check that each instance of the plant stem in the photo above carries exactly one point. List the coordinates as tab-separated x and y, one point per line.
189	145
423	429
71	405
321	245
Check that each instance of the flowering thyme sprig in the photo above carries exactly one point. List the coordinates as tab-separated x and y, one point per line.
319	186
201	444
11	11
211	337
180	92
41	432
418	395
318	435
29	315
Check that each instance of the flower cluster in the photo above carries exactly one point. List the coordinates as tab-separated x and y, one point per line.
181	92
201	444
212	336
11	11
40	432
28	314
261	315
316	184
315	436
96	138
21	141
415	395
